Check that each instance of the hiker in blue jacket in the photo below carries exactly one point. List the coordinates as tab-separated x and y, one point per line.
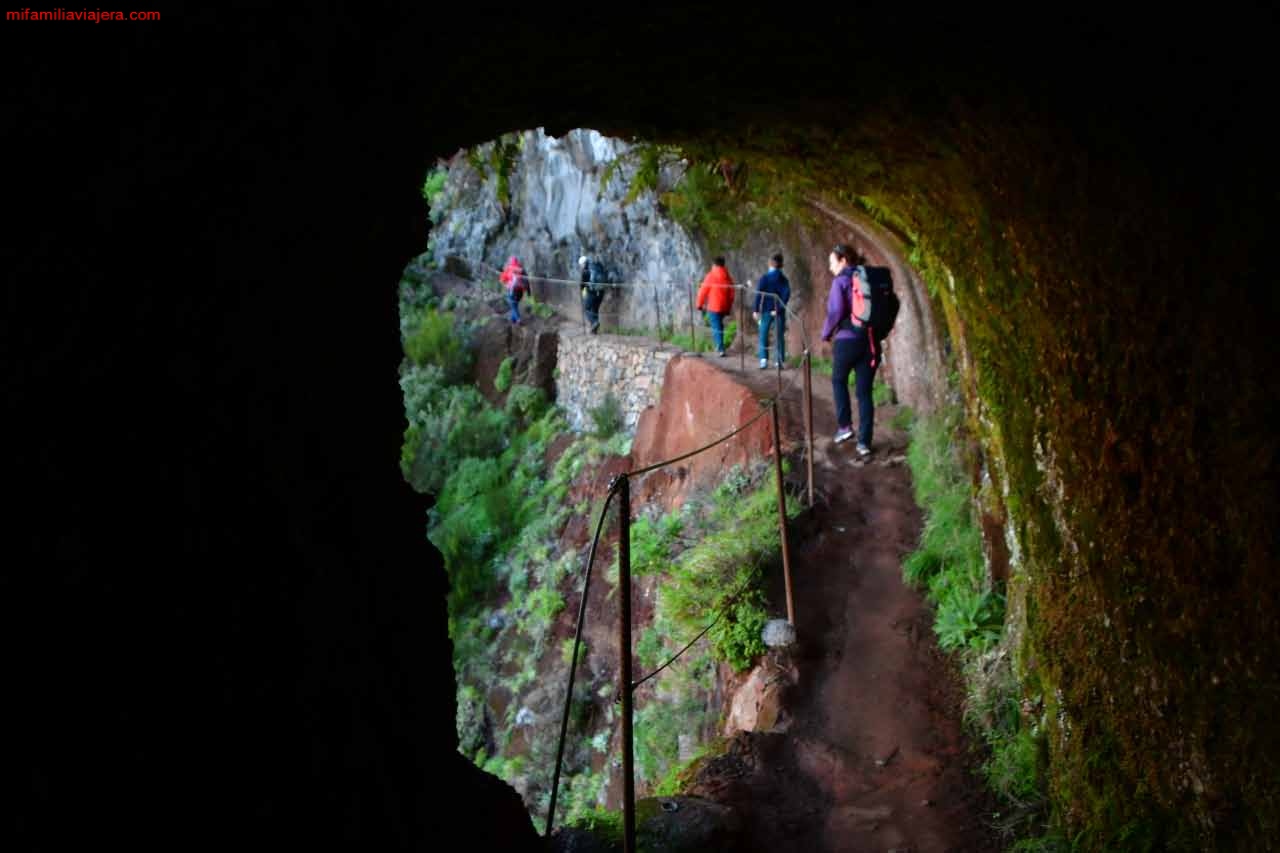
773	291
849	351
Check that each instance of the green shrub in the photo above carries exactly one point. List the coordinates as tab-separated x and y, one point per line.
423	388
470	720
602	823
660	722
475	513
433	192
544	604
448	424
1014	770
949	559
527	403
606	418
439	340
652	543
651	650
967	617
416	298
737	638
483	435
502	381
566	651
739	537
409	450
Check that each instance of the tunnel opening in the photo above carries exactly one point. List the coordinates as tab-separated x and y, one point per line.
550	201
967	236
1131	452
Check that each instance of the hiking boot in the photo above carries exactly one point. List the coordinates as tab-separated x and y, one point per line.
764	363
862	450
595	328
724	354
843	434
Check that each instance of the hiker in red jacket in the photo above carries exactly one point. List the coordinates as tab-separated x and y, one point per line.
715	298
515	281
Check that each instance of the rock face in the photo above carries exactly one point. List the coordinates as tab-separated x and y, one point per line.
591	366
690	824
699	404
558	211
759	704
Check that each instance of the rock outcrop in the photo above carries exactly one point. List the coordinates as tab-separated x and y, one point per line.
558	210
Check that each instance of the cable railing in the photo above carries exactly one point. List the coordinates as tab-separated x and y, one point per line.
636	286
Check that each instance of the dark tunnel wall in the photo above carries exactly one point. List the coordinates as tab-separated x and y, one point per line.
224	618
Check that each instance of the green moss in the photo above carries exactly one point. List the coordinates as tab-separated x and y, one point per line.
681	775
602	823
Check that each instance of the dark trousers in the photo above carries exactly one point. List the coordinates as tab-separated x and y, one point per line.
591	307
853	356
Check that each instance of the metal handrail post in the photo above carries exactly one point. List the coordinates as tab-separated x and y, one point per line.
808	420
782	515
624	650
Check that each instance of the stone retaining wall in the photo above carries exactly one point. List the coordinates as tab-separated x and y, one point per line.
590	366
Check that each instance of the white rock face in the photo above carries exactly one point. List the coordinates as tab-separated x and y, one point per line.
558	212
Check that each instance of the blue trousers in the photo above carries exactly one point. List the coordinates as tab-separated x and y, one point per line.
514	304
767	320
717	329
853	356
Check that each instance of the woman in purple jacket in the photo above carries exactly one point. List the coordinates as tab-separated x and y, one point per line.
849	351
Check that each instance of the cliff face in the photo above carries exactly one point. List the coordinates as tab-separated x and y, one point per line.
552	205
553	209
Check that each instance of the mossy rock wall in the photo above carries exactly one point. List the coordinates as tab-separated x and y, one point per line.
1120	427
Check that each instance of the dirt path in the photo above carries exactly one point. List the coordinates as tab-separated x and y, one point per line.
875	758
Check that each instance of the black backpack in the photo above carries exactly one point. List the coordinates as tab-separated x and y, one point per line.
597	277
875	305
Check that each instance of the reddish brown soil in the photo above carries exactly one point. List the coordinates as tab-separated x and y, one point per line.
875	758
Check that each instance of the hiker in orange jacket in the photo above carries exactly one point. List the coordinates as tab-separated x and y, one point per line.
715	298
